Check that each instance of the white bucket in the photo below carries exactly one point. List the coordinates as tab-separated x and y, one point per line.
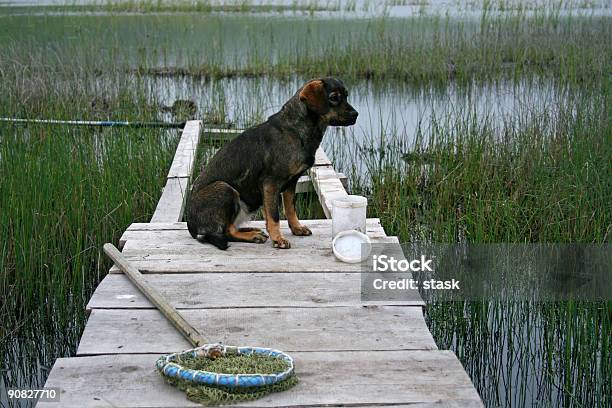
349	213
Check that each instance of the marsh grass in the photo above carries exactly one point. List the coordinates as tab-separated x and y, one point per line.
64	191
542	175
520	353
424	49
442	50
203	6
538	176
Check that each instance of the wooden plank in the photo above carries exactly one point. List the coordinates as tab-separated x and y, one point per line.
174	251
341	378
157	226
265	256
306	255
153	239
182	236
185	155
111	331
163	226
177	232
321	158
299	262
326	181
220	134
223	290
327	185
304	184
172	201
159	248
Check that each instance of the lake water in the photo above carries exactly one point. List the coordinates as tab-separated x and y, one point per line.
391	113
368	8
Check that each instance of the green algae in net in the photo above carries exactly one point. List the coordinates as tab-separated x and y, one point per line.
216	374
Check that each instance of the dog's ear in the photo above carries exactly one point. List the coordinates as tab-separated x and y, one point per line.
313	95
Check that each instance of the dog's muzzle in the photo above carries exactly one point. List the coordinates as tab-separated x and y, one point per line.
346	119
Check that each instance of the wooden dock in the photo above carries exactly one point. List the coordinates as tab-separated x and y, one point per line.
302	301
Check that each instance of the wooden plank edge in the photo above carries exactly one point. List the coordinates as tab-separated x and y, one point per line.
175	191
304	184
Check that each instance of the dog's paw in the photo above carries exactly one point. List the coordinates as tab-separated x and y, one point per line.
301	230
281	243
260	238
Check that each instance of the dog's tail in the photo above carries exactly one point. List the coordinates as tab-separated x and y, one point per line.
218	240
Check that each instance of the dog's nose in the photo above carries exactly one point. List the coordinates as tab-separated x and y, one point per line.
353	114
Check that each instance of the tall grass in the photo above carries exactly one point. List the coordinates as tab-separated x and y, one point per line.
540	175
537	174
203	6
524	354
421	49
64	191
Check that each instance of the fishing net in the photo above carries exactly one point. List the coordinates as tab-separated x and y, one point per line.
215	374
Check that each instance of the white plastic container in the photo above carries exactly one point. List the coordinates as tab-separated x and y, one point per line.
351	246
349	213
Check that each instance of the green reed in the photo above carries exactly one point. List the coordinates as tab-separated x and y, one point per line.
199	6
64	191
526	353
444	50
541	175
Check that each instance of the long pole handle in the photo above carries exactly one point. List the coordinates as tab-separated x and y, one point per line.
100	123
187	330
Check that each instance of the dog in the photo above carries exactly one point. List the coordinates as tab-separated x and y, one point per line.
263	163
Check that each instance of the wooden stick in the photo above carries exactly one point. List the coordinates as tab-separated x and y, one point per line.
187	330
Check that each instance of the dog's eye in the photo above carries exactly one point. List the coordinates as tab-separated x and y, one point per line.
335	98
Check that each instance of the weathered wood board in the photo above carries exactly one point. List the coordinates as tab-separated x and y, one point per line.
304	184
328	186
185	155
160	249
321	158
177	231
321	235
337	379
288	329
223	290
326	182
172	201
174	251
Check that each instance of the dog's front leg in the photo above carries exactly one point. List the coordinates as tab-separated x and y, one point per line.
289	203
271	199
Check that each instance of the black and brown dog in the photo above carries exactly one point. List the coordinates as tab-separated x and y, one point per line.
263	163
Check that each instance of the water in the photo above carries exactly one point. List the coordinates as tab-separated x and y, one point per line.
391	113
368	8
